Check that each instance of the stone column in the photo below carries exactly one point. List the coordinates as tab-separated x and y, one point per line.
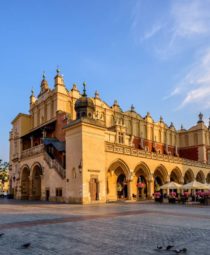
43	193
150	190
168	180
32	141
130	186
30	188
181	182
130	190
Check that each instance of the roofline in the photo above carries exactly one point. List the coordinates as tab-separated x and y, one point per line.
20	115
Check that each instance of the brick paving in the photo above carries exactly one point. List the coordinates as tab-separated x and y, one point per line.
119	228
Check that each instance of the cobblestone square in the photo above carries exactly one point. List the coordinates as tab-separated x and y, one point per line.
118	228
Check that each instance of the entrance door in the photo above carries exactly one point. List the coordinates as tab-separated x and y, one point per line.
47	194
94	189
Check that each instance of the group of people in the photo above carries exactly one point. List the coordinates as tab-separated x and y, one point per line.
174	197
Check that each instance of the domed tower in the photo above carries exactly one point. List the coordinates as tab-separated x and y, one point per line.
84	106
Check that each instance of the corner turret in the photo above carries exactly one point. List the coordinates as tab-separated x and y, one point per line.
59	83
44	85
32	97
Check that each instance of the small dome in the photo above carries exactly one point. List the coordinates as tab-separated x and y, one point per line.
84	102
84	106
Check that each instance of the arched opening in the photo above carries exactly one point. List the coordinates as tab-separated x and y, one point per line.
158	181
200	177
160	177
142	187
122	187
208	178
176	176
25	183
140	180
117	181
189	176
36	182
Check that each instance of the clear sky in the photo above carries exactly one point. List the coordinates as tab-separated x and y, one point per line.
154	54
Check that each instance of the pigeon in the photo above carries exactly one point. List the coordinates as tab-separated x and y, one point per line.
169	247
159	247
1	234
177	251
26	245
184	250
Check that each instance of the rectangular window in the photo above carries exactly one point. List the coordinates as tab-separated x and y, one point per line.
209	157
59	192
121	138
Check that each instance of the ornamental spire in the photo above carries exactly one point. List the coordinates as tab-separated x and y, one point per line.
58	70
132	108
84	90
43	76
200	118
32	92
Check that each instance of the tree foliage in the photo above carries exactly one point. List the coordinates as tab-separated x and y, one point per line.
4	176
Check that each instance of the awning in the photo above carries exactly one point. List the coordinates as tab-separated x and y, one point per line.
59	146
171	185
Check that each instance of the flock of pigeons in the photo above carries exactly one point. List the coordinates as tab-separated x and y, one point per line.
23	246
171	248
159	248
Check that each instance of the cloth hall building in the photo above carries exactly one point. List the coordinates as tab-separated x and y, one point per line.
77	149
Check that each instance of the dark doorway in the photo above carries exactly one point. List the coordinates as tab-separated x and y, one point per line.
122	187
47	194
142	187
94	189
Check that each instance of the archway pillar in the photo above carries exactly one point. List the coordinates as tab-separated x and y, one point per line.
151	187
130	185
167	181
182	180
167	178
30	188
43	195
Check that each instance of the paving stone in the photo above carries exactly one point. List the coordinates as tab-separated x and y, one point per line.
120	228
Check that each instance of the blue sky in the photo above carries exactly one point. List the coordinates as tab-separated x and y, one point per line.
153	54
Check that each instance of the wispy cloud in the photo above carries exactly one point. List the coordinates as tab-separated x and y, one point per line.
149	34
180	25
184	26
190	18
195	86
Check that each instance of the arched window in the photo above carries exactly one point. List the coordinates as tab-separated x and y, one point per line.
186	140
160	140
195	139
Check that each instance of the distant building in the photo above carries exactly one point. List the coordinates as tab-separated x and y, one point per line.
78	149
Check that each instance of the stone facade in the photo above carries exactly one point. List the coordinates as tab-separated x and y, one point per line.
76	149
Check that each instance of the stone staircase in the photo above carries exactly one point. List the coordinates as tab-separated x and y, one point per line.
53	163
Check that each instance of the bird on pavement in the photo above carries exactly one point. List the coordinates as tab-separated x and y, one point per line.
26	245
1	234
169	247
184	250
